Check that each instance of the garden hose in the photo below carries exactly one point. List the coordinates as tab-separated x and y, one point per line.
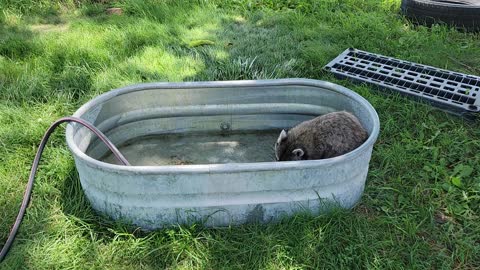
33	171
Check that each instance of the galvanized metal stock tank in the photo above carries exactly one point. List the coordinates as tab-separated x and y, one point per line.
217	194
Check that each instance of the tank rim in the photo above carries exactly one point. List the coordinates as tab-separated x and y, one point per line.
229	167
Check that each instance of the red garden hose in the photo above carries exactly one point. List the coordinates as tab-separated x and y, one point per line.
33	171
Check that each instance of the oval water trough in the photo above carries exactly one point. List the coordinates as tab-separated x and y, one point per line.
203	151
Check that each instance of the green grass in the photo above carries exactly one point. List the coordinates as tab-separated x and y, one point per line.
421	205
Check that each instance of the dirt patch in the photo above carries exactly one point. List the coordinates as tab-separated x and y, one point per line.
45	28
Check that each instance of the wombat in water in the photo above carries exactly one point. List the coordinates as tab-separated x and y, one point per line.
326	136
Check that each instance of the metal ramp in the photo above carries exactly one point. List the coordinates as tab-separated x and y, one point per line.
451	91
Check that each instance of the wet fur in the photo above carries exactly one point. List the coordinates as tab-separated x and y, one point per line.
326	136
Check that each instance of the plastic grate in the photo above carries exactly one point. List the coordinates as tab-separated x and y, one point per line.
455	92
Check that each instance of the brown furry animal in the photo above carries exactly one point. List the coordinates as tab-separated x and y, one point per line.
326	136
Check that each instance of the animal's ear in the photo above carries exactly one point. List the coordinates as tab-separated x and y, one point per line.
298	152
283	136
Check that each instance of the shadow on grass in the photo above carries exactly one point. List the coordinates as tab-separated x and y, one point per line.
17	42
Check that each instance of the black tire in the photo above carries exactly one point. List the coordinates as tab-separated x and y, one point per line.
464	14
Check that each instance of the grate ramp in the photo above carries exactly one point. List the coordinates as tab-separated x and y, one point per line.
451	91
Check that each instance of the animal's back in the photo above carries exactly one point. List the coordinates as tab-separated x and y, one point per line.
330	135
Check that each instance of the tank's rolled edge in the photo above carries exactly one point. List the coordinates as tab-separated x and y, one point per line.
221	167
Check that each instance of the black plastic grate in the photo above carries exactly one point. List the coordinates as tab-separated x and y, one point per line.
455	92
